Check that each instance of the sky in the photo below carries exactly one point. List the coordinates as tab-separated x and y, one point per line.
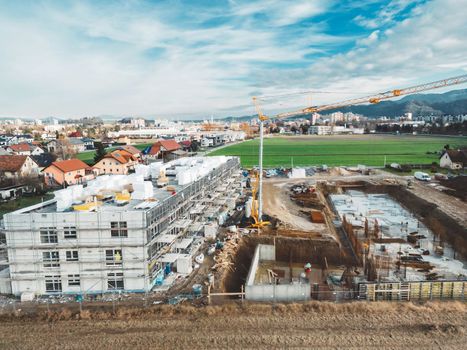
193	59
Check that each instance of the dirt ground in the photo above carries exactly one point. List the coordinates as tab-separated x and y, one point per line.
318	325
277	204
451	205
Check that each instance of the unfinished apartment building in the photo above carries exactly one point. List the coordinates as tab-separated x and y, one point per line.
121	232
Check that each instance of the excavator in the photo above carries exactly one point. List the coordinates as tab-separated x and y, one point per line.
257	204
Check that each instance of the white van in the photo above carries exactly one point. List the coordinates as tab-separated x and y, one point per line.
422	176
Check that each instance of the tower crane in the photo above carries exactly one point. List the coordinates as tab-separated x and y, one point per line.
257	210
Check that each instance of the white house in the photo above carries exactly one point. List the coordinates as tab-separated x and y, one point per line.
453	159
18	166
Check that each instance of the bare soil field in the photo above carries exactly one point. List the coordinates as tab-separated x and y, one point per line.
450	205
277	204
318	325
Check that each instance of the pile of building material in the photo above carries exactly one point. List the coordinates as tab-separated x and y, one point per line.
225	255
297	173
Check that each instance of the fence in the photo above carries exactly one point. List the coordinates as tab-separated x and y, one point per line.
415	291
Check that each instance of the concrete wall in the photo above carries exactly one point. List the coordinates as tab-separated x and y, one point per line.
281	292
270	292
5	285
250	280
267	252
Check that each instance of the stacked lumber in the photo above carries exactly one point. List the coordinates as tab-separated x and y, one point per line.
224	256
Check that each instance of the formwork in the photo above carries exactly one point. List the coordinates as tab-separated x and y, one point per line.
415	291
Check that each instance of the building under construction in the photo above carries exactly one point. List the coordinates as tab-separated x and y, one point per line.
131	233
364	244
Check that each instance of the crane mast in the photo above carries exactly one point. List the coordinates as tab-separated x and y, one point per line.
258	215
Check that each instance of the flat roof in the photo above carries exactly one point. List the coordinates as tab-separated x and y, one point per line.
159	194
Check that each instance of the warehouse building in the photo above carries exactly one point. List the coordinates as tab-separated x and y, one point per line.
121	232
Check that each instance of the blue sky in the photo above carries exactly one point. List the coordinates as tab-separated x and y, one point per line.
186	59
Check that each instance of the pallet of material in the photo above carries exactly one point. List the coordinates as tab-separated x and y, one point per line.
317	217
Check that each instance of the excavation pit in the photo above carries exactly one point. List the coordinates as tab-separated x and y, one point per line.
394	239
287	258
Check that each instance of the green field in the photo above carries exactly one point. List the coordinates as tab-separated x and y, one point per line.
342	150
88	156
23	202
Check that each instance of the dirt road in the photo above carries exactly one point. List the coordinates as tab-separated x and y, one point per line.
313	325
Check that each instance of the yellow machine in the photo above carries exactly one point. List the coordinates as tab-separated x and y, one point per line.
254	205
89	206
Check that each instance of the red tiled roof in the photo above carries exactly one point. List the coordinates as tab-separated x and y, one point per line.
21	147
130	149
154	150
169	145
70	165
11	163
122	156
75	134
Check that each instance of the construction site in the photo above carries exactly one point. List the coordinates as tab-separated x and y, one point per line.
205	230
346	239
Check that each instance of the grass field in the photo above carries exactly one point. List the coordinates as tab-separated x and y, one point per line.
88	156
342	150
23	202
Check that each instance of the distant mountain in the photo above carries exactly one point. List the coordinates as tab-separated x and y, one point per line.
452	102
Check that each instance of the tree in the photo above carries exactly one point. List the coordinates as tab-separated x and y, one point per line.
100	152
194	147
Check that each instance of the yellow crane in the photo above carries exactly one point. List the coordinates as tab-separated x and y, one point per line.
257	210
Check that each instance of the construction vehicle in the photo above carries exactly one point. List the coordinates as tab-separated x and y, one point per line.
373	99
255	210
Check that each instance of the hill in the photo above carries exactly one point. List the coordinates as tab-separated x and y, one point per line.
452	102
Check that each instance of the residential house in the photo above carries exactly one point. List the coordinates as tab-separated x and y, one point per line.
454	159
12	192
44	160
4	152
88	143
186	145
131	149
118	162
7	140
161	149
68	172
65	146
25	149
24	138
18	166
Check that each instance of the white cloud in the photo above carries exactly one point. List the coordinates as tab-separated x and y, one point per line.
387	14
423	48
91	60
280	12
371	39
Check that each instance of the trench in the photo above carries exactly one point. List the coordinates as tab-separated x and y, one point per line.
296	250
